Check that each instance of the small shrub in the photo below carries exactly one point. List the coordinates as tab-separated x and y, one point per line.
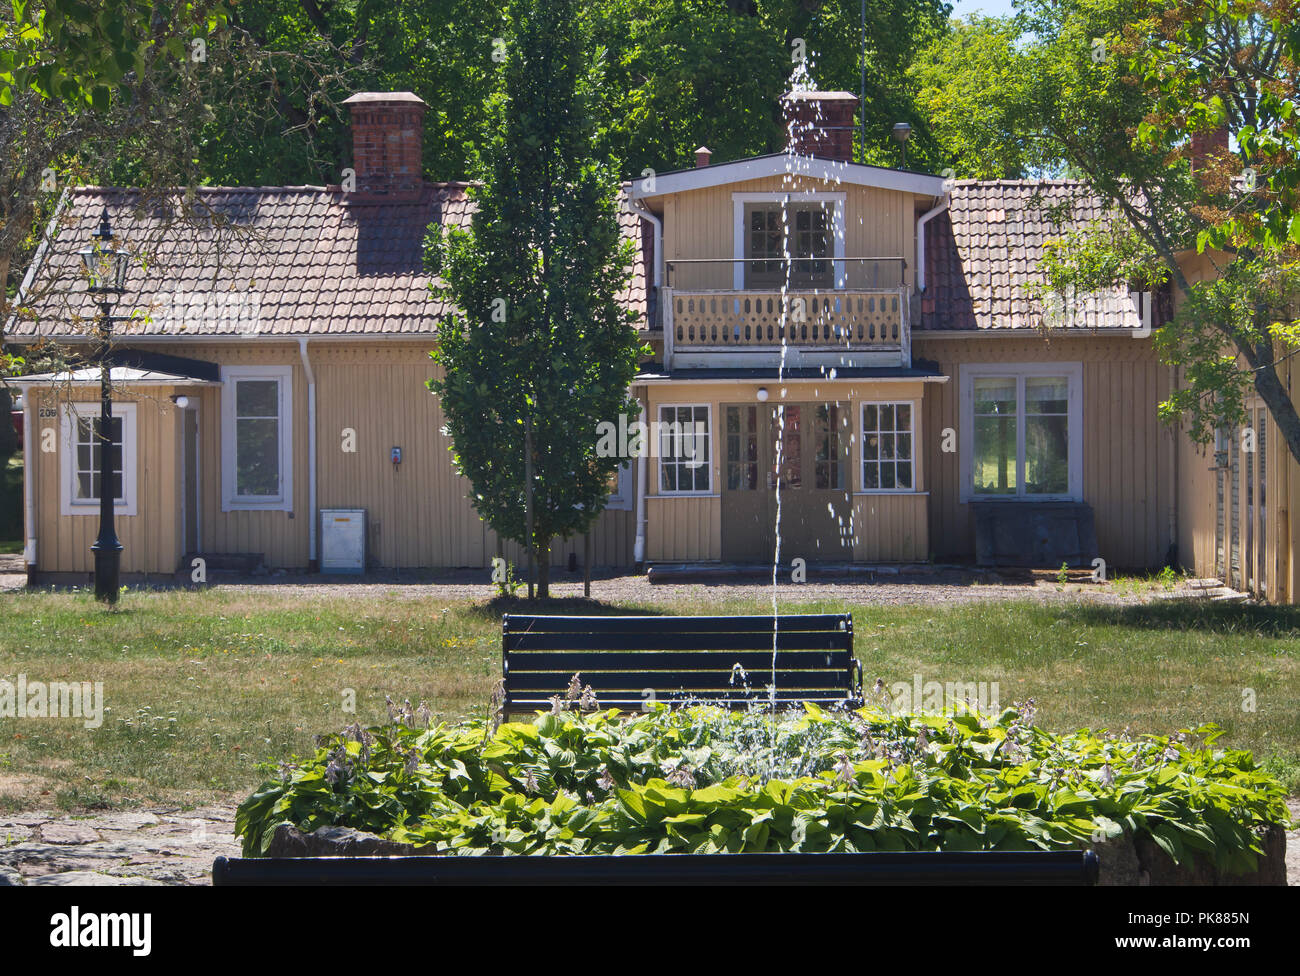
703	780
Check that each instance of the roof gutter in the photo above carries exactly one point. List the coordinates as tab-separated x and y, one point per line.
311	452
658	223
924	219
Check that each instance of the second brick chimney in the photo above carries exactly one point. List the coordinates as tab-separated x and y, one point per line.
820	123
387	144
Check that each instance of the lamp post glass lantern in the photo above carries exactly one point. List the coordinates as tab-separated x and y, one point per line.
105	267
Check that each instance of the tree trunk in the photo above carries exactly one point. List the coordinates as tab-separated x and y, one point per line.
544	569
1270	389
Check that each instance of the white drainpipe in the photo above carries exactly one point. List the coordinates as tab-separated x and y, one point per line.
920	241
642	475
311	449
29	480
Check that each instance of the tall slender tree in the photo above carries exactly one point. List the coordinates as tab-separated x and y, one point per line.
540	350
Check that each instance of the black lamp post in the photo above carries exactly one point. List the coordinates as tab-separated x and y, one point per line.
106	270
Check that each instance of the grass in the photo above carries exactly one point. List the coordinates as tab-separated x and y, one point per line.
203	686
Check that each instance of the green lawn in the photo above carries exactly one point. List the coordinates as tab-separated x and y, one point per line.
200	687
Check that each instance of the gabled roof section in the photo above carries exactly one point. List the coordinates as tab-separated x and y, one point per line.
781	164
983	252
260	262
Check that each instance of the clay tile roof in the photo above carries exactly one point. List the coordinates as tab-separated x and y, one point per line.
285	261
984	250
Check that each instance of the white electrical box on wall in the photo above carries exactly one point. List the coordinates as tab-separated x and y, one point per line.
342	540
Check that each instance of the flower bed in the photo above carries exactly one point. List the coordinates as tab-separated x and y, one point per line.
703	780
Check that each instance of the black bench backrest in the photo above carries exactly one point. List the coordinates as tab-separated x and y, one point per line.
631	660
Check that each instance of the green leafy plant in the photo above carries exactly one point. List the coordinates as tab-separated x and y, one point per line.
704	780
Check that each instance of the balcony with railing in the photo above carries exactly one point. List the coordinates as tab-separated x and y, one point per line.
835	313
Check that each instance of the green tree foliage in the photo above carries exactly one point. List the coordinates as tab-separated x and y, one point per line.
540	351
974	91
1137	124
678	73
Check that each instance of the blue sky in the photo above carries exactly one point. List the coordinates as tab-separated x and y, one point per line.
990	8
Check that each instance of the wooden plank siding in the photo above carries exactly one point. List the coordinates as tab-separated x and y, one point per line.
418	513
1279	534
1127	463
888	527
151	538
891	528
700	224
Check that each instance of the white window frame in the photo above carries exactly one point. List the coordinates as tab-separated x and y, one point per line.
69	504
230	501
915	406
739	235
1073	372
708	462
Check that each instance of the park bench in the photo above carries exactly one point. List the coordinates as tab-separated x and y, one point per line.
727	661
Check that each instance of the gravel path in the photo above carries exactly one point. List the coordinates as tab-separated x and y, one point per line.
165	846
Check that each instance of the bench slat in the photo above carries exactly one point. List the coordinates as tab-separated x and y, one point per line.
635	703
802	641
752	661
675	680
515	622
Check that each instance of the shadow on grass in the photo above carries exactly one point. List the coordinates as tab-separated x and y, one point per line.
1201	615
572	606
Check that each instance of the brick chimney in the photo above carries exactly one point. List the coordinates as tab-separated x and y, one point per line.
702	157
820	123
1208	145
387	144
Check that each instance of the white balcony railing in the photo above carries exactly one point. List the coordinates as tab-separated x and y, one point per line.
871	325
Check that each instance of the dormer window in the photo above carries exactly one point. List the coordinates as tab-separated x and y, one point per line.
776	234
809	237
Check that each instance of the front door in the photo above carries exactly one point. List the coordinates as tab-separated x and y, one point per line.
805	448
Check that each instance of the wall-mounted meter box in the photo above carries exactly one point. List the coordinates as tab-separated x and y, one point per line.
343	540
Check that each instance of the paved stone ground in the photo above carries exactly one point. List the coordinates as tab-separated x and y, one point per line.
171	847
166	846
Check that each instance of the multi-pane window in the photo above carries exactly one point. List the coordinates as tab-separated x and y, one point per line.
831	447
810	247
1022	422
256	438
787	434
88	453
82	475
1047	435
996	471
888	458
684	449
742	448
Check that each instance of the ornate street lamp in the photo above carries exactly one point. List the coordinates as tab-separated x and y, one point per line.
106	273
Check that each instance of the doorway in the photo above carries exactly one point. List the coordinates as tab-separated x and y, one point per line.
813	474
190	460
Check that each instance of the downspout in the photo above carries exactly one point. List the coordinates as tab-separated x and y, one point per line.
924	219
1172	556
642	474
311	453
29	484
